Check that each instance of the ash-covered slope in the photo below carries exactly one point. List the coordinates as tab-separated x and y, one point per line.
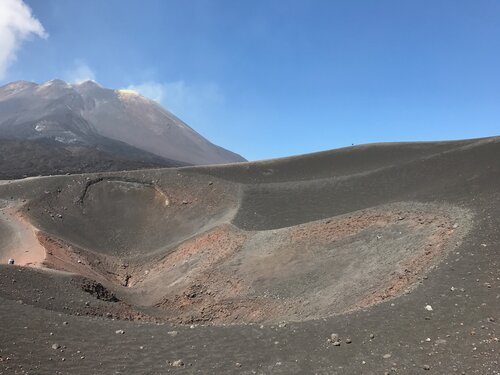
379	258
119	124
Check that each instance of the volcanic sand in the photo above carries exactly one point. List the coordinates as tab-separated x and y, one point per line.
313	241
19	239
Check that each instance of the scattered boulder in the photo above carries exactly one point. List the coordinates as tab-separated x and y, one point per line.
98	291
177	363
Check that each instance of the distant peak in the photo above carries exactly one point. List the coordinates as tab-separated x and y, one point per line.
22	83
56	81
19	84
88	83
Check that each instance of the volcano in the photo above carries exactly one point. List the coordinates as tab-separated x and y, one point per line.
56	128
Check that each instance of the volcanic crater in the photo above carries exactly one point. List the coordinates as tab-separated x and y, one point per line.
174	248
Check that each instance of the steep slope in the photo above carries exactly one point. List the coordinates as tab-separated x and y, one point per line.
119	124
117	113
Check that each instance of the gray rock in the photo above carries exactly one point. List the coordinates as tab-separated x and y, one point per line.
178	363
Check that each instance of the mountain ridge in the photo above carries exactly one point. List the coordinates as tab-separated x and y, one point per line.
82	114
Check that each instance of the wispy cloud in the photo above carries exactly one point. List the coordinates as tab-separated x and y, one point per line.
81	72
180	98
16	25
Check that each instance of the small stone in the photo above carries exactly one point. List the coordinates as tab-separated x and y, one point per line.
56	346
348	341
426	367
334	337
178	363
336	343
172	333
386	356
238	364
428	307
65	323
372	336
120	332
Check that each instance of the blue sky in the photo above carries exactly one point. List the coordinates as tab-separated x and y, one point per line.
271	78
